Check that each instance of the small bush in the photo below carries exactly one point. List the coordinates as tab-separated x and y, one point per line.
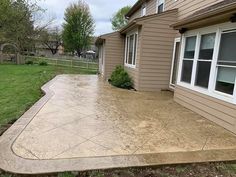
29	62
120	78
43	63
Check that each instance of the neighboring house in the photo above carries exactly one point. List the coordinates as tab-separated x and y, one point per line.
188	46
43	50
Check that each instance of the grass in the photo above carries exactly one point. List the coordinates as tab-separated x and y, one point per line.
20	87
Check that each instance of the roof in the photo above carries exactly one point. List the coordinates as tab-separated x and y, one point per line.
135	7
102	38
138	21
213	14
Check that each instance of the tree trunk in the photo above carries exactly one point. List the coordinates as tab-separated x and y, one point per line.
79	53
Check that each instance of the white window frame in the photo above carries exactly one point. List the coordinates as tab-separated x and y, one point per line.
159	2
144	9
172	86
134	56
218	29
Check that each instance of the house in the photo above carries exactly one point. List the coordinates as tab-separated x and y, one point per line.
188	46
51	50
207	66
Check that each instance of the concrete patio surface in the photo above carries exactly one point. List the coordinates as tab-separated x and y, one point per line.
83	123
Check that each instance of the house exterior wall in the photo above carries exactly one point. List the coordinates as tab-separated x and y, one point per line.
218	111
151	9
188	7
215	106
185	7
136	14
156	52
114	53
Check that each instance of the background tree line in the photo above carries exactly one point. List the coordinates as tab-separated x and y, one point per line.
18	25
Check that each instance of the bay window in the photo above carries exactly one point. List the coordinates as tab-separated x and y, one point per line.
131	50
208	61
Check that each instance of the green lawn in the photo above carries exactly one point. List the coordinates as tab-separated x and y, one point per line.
20	87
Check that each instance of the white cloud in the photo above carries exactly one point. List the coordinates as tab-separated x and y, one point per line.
102	11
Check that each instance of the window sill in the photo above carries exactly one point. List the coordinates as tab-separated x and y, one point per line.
130	66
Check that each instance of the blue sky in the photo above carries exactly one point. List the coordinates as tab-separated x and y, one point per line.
102	11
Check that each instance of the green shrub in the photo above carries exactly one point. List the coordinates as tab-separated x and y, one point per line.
29	62
120	78
43	63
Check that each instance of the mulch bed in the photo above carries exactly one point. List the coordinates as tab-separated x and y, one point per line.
191	170
4	128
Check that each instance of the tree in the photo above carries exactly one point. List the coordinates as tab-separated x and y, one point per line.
118	20
17	25
51	38
78	27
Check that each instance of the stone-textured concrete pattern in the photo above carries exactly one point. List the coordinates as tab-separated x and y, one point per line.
83	123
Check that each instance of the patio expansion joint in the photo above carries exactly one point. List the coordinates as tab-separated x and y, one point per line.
68	149
205	143
29	151
149	139
61	126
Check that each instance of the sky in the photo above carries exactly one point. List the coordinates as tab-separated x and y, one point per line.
101	10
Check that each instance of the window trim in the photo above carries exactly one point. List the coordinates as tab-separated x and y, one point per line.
144	5
171	85
134	56
210	91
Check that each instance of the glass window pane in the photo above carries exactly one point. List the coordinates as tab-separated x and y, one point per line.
135	48
131	43
127	49
190	47
160	8
187	71
207	46
203	73
228	47
144	10
226	80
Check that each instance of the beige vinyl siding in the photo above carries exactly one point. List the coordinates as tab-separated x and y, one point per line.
134	72
218	111
114	53
188	7
156	52
137	14
151	9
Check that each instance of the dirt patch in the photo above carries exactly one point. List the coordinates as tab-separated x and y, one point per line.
4	128
191	170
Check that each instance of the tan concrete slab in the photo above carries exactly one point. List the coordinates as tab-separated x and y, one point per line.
83	123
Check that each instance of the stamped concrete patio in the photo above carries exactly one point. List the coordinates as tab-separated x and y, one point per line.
83	123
